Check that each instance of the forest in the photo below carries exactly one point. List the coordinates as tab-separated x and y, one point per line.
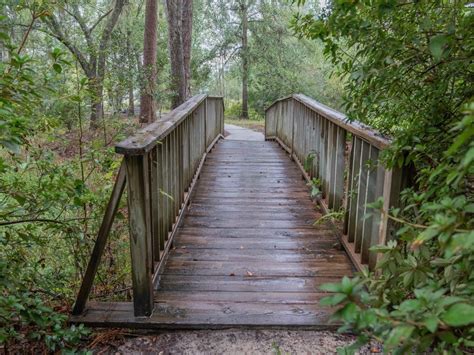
77	77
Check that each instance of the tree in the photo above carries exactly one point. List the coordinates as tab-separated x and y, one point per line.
243	7
93	62
187	23
175	44
147	102
179	14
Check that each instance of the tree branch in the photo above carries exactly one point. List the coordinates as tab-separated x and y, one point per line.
56	32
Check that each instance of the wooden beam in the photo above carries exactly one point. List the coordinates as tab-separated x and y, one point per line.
101	241
140	233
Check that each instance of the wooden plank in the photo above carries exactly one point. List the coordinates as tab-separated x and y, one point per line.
368	222
257	268
353	192
192	315
283	215
100	243
259	234
339	168
212	222
246	255
380	174
361	195
198	242
242	297
140	234
154	203
242	283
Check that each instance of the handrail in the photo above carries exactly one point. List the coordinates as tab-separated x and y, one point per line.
373	136
351	176
160	167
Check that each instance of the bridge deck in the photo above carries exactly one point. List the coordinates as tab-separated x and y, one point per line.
246	253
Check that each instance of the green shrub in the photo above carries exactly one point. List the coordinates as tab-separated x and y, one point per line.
233	110
409	71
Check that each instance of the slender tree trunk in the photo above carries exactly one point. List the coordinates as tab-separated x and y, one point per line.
147	100
131	96
97	112
174	12
97	107
245	65
131	100
187	23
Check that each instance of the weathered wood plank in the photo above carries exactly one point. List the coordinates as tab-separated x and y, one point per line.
190	315
101	241
140	233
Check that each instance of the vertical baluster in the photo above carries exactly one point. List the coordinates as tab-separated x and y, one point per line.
362	195
317	144
180	165
339	164
169	202
154	201
330	164
161	196
175	172
323	156
370	198
348	186
354	187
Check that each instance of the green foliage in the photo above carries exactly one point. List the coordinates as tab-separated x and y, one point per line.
308	162
315	185
233	109
409	73
47	219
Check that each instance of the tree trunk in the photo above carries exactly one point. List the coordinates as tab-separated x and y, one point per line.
245	65
131	96
97	107
131	100
147	100
174	12
97	111
187	23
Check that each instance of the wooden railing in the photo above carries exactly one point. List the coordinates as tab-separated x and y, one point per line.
346	162
161	164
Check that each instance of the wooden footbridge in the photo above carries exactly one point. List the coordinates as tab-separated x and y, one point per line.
222	232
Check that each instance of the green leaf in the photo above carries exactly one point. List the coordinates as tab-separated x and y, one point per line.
333	300
459	314
398	335
431	324
57	68
331	287
437	44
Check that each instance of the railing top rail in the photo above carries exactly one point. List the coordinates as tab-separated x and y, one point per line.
355	127
146	138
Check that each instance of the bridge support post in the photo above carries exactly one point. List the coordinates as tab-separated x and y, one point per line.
140	233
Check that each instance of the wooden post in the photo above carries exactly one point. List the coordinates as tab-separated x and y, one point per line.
140	233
